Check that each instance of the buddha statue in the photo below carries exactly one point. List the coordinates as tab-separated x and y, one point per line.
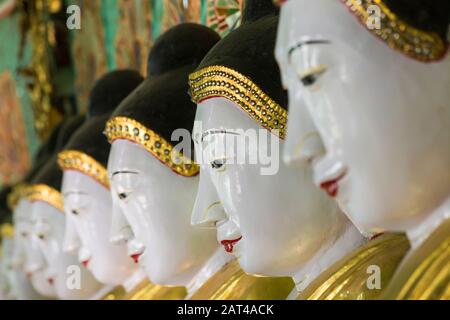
85	188
14	284
8	287
370	113
154	181
303	144
46	216
268	215
153	192
27	257
40	222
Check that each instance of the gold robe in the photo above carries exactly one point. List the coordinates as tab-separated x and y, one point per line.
231	283
115	294
425	272
147	291
347	279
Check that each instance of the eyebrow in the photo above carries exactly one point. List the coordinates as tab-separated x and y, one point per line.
213	132
124	171
305	43
75	192
40	220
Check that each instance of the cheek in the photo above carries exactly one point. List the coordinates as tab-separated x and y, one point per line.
134	214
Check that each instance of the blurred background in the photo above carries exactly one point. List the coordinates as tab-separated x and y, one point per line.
47	70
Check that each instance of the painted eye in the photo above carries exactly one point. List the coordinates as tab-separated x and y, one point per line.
218	164
41	236
24	234
309	80
75	212
311	76
122	195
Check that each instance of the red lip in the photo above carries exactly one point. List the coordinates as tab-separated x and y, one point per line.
51	281
29	275
332	186
85	263
136	257
229	244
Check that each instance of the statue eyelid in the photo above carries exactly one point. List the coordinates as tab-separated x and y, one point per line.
219	167
124	195
310	76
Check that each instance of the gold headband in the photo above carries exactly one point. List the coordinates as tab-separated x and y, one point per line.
219	81
399	35
6	231
42	192
14	196
129	129
76	160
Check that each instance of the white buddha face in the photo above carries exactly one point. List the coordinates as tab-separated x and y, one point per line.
88	208
157	204
70	279
383	117
8	287
27	254
273	224
14	284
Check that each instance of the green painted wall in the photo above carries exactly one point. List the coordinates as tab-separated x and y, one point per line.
9	60
110	18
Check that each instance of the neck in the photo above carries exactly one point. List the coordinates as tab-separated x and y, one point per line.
423	230
348	240
136	278
213	265
102	292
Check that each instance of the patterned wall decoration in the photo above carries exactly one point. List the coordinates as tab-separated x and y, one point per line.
14	160
134	37
88	50
114	34
178	11
119	33
223	15
17	113
168	13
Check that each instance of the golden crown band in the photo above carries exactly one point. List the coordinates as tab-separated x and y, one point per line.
79	161
42	192
14	196
6	231
397	34
129	129
219	81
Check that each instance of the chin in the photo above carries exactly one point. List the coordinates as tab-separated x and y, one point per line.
162	278
43	288
160	274
107	276
65	294
39	282
370	217
259	266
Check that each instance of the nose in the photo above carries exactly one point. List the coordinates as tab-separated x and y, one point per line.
208	210
135	249
71	242
84	255
18	255
34	260
120	231
303	142
329	168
